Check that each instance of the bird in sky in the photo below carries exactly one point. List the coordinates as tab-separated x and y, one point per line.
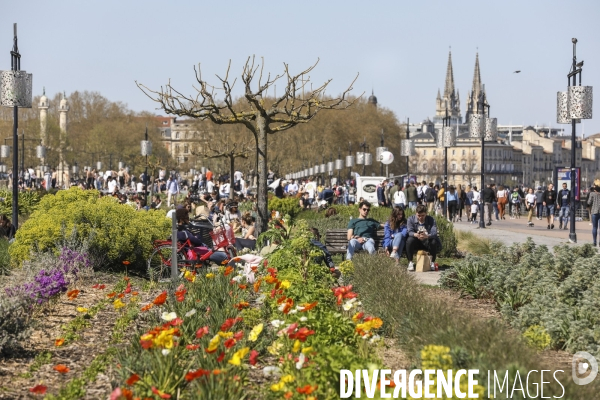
517	72
580	64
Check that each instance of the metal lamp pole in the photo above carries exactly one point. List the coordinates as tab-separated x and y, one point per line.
481	202
146	170
15	64
445	122
381	164
573	74
407	138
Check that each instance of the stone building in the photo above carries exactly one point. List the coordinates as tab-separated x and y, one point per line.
181	138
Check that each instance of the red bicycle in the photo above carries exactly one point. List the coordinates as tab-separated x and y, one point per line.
189	256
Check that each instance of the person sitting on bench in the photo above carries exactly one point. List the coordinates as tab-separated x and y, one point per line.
362	231
394	238
422	235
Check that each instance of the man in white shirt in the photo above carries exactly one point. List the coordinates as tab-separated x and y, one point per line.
172	190
293	188
476	194
224	189
237	175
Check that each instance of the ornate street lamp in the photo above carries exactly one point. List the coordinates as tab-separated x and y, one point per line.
146	147
573	106
15	92
378	152
446	138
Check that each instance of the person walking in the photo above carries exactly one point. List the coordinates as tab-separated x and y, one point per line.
539	202
172	190
594	203
462	198
430	198
564	202
530	204
452	203
411	195
468	202
549	201
502	195
488	198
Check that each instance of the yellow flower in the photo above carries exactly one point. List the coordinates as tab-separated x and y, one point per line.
147	336
307	349
214	343
274	348
287	379
225	335
236	359
285	284
189	276
297	346
276	387
210	275
118	304
165	339
253	336
82	309
372	324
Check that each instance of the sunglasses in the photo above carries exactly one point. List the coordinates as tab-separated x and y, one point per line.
366	209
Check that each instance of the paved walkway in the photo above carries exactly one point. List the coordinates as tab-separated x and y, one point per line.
510	231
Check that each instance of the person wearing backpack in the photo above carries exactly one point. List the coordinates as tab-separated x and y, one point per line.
430	198
399	199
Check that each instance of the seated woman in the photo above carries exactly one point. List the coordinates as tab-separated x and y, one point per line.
183	219
304	204
156	203
248	241
7	229
395	233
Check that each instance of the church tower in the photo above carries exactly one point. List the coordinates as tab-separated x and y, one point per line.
477	93
372	100
450	100
43	106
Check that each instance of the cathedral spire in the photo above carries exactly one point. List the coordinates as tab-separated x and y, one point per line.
476	78
449	87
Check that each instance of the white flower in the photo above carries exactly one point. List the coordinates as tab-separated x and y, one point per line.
293	311
301	359
375	338
165	352
191	312
303	319
359	303
281	307
270	370
169	316
277	323
365	336
237	278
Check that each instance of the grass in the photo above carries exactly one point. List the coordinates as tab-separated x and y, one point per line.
468	242
416	318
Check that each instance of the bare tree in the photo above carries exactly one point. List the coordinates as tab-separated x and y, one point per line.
298	104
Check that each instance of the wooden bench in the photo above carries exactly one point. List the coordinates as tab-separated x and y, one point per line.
336	240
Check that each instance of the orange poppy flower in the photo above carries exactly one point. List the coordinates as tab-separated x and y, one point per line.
135	293
132	379
288	395
237	259
306	389
243	287
190	376
147	307
228	270
111	295
62	368
221	357
201	332
254	268
121	295
59	342
241	305
310	306
72	294
126	263
218	371
160	393
192	347
160	299
257	285
38	389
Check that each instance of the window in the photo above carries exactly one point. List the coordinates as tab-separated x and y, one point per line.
176	149
464	166
464	152
453	167
424	152
185	148
176	135
424	167
473	152
434	152
453	152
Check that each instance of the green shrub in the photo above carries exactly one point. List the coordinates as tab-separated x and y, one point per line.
537	337
28	202
4	257
286	206
447	236
115	231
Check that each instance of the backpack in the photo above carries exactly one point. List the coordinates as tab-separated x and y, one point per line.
514	197
430	195
237	186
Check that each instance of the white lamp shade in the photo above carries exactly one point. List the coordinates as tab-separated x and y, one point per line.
40	152
99	165
491	129
360	158
378	152
121	164
446	137
322	168
477	125
15	89
146	146
330	166
311	171
75	169
407	147
349	161
580	101
562	108
316	169
368	159
339	164
386	158
4	151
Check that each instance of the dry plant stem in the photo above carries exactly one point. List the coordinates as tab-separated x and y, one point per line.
298	104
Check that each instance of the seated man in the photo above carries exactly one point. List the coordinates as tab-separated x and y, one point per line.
362	231
422	235
183	219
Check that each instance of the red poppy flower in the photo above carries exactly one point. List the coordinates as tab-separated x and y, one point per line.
59	342
121	295
62	368
176	322
289	303
253	356
254	268
243	287
128	288
38	389
265	263
72	294
192	347
190	376
228	324
160	299
201	332
302	334
126	263
132	379
111	295
221	357
134	293
238	335
146	344
306	389
343	292
228	270
229	343
160	393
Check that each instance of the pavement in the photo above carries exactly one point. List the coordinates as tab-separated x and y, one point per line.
511	231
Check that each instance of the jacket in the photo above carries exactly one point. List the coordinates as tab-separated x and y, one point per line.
594	201
413	226
381	195
411	194
388	235
549	197
488	195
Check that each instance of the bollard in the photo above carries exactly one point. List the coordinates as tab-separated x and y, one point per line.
174	272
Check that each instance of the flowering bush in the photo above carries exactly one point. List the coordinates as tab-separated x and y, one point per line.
15	321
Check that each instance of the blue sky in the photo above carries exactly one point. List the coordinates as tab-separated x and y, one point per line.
400	48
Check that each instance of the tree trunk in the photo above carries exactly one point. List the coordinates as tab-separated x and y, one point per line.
231	172
261	189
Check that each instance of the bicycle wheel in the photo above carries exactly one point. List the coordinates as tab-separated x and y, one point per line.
159	263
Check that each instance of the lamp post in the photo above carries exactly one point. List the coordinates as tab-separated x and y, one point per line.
339	164
485	128
446	138
572	106
407	149
378	152
15	92
146	147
